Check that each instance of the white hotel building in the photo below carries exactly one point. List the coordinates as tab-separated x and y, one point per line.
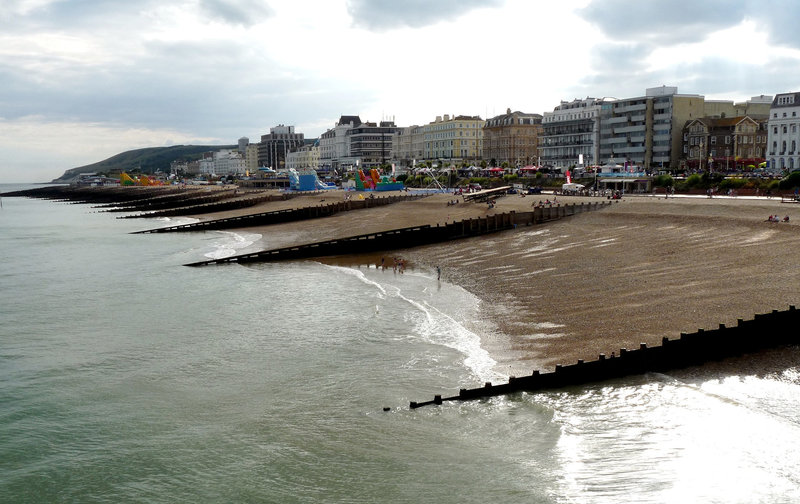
783	142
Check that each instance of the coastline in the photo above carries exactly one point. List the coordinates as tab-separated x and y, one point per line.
639	270
636	272
642	269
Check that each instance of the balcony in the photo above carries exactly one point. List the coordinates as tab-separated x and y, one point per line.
628	129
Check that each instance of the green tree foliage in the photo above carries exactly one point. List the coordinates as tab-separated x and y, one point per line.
790	182
663	181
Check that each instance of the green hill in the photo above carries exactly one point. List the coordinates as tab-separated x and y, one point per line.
147	160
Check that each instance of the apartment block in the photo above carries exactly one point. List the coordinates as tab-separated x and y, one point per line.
646	131
334	146
454	140
408	146
783	136
571	132
512	138
272	148
726	143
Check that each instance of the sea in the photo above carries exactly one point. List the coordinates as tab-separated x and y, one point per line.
127	377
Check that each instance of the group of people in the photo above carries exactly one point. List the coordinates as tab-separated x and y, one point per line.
546	202
775	218
399	263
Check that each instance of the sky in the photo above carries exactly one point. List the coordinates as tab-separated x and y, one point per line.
83	80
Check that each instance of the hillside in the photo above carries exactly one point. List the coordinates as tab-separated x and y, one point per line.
148	160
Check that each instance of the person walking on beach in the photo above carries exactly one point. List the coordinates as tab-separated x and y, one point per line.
438	273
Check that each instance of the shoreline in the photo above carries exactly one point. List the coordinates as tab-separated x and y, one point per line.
630	274
644	268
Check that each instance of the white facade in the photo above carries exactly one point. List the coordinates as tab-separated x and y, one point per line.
783	139
223	162
306	157
408	146
571	132
334	144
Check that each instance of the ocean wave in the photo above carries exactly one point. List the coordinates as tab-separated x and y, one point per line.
360	276
176	221
440	328
228	243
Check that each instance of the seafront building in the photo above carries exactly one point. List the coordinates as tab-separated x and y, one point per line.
370	144
353	143
273	147
334	146
724	143
571	133
305	157
223	162
512	138
454	141
646	131
251	158
783	136
408	147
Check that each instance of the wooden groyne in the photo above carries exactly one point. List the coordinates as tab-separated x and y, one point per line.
281	216
204	207
769	330
92	195
373	242
170	201
408	237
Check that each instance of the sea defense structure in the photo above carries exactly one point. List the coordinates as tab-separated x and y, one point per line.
764	331
403	238
281	216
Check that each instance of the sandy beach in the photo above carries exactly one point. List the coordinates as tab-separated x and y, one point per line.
642	269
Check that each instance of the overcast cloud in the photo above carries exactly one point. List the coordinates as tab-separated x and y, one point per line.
84	80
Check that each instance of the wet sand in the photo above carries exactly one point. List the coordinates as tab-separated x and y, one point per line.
640	270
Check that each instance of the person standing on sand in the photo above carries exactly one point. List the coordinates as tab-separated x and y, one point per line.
438	273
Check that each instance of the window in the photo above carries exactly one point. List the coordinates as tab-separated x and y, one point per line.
713	140
727	140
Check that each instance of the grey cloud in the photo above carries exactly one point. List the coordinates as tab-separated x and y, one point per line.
712	76
779	19
663	21
388	14
671	22
113	15
178	86
620	58
237	12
